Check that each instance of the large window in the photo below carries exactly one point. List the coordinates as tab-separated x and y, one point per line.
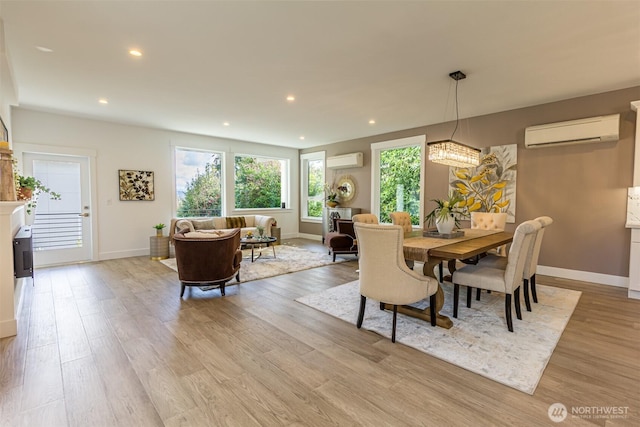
198	183
312	186
397	176
260	182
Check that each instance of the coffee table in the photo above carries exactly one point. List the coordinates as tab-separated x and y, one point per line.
252	242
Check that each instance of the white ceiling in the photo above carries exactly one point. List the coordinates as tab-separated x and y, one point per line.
207	62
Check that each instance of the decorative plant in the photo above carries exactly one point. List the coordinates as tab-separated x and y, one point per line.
260	230
446	208
331	192
29	188
159	226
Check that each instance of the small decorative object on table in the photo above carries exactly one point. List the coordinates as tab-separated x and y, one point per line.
260	230
445	215
159	228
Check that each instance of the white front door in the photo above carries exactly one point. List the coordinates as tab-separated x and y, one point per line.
61	228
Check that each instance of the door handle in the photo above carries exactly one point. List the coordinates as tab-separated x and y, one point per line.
84	214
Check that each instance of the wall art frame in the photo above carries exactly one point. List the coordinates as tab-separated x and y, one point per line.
136	185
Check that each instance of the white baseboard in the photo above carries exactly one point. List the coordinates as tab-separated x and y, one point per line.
584	276
309	236
634	294
8	328
123	254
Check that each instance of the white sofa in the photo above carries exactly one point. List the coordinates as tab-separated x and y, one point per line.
205	226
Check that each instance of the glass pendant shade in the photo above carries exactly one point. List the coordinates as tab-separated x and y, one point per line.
452	153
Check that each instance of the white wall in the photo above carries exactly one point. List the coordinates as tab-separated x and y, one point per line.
123	228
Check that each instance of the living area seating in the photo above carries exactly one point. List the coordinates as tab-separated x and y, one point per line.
384	275
201	226
505	280
208	260
343	240
365	218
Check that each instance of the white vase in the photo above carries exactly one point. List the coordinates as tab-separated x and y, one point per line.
445	226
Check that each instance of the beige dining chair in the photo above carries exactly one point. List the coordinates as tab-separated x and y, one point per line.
385	277
531	266
505	280
490	221
365	218
403	219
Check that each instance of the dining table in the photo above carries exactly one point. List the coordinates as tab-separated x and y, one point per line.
434	251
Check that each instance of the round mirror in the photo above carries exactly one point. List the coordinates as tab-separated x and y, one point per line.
346	189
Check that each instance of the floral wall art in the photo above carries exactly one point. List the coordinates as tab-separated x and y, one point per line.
136	185
491	186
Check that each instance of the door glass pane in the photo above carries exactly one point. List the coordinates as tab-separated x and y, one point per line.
400	183
57	223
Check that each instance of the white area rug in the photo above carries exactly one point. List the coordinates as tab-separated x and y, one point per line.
288	259
479	340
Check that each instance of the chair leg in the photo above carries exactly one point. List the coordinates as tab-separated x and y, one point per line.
363	303
469	289
395	317
432	309
478	292
456	295
181	289
516	295
507	311
533	289
526	294
222	292
381	306
238	277
334	257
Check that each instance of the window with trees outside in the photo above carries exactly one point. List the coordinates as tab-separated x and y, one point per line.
260	182
312	186
398	171
199	183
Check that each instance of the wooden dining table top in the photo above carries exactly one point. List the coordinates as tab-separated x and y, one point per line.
474	242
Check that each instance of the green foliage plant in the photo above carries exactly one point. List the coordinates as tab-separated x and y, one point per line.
159	226
36	187
446	208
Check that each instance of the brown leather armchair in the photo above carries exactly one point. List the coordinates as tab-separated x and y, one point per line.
343	240
208	260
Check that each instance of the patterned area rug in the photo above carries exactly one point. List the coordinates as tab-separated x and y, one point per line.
479	340
288	259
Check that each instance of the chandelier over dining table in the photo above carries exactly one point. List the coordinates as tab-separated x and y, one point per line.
450	152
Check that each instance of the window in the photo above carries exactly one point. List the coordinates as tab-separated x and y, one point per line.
397	176
198	183
260	182
312	186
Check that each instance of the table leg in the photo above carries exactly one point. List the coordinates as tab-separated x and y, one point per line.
273	246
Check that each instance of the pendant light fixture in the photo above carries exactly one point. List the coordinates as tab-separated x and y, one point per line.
450	152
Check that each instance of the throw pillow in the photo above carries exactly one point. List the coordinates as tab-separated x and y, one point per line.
203	224
184	223
236	222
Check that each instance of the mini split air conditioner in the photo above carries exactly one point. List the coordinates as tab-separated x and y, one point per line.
594	129
352	160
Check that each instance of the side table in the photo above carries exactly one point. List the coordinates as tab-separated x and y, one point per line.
159	247
275	232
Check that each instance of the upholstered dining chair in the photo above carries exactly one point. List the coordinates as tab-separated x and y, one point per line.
383	274
208	260
365	218
403	219
490	221
505	280
530	267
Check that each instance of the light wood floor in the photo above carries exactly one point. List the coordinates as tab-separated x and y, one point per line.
111	344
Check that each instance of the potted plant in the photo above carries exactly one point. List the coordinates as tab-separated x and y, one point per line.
445	214
332	196
159	228
29	188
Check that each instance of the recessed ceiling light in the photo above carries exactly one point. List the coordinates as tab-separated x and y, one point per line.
103	101
135	52
302	137
225	124
44	49
291	98
372	122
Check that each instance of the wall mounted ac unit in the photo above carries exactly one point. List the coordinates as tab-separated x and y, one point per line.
594	129
352	160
